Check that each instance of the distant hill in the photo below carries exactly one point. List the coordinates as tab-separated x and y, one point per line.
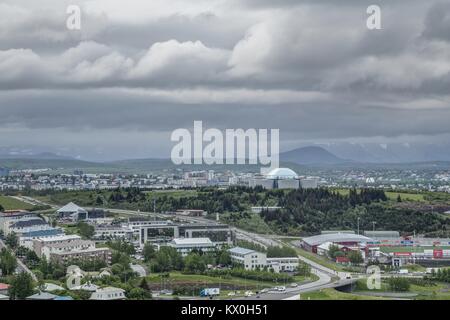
311	155
29	163
35	156
390	152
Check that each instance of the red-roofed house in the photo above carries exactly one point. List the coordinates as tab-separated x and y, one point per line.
4	288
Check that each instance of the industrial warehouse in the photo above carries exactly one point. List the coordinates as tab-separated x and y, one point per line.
382	246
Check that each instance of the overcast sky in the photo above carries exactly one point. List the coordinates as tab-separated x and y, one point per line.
137	70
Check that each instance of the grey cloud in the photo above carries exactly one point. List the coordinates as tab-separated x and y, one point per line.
310	68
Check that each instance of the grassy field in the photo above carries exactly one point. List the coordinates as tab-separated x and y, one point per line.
13	204
194	280
410	249
394	195
332	294
436	291
405	196
172	193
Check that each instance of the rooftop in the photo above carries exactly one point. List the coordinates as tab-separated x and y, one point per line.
192	241
282	173
71	207
335	237
60	238
42	233
71	244
28	223
242	251
4	286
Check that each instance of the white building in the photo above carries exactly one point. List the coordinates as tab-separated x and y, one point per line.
13	216
110	232
279	178
268	209
108	293
249	259
71	212
186	245
286	264
69	246
309	183
39	243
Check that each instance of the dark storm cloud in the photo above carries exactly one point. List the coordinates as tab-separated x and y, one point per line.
437	22
310	68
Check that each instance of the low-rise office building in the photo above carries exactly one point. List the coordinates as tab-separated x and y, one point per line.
253	260
41	242
185	245
108	293
283	264
66	246
71	212
112	233
249	259
219	234
11	216
64	257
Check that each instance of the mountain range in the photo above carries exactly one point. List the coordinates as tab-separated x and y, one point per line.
317	154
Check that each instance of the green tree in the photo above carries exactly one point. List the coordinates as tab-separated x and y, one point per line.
355	257
12	240
138	294
194	263
8	262
334	251
86	231
1	208
398	284
148	252
21	286
224	258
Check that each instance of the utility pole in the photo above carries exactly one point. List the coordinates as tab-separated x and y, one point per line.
357	219
373	224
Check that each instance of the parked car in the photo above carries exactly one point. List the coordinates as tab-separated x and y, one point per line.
249	293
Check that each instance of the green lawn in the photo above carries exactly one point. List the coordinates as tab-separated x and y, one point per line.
438	291
172	193
394	195
387	249
13	204
180	279
405	196
332	294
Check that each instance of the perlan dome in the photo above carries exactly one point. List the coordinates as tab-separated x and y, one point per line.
282	173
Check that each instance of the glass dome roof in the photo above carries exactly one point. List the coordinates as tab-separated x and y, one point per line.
282	173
